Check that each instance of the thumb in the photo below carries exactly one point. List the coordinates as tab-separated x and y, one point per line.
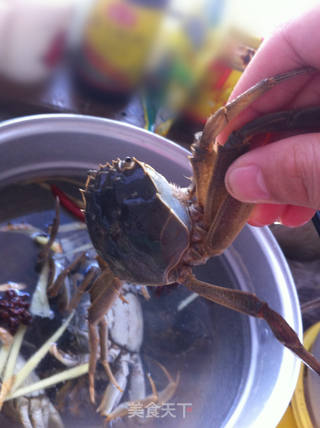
285	172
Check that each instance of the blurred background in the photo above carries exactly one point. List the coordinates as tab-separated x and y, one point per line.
164	65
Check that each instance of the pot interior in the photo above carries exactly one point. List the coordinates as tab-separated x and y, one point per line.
232	370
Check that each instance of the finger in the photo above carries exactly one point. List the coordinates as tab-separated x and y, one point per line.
288	215
294	216
293	46
265	214
285	172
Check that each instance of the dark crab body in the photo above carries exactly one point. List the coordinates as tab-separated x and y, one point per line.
136	222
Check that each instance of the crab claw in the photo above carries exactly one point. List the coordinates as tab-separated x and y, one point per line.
33	412
156	397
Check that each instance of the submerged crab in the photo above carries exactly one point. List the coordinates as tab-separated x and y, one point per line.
32	408
151	232
121	336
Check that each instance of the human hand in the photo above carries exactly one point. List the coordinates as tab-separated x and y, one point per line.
282	178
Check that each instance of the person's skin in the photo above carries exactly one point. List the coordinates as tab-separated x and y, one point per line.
282	178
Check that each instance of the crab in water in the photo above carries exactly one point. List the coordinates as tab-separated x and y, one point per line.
67	268
151	232
30	408
120	342
120	332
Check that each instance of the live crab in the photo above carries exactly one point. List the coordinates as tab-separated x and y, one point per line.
151	232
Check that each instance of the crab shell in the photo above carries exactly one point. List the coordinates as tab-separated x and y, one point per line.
136	221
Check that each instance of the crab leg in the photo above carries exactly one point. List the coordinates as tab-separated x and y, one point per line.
103	333
103	293
56	286
112	396
155	397
224	216
204	154
220	206
225	114
137	390
300	120
44	253
34	412
88	279
249	304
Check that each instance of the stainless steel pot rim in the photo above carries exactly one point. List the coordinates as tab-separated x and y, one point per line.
273	409
16	129
37	124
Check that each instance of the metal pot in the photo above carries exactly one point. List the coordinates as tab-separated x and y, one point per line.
245	378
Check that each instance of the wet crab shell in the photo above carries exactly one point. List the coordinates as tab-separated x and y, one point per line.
136	221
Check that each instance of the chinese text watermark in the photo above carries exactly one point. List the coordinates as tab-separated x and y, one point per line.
154	410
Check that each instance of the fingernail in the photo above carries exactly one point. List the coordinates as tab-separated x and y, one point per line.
247	184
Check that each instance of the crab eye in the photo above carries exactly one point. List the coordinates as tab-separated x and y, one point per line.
126	164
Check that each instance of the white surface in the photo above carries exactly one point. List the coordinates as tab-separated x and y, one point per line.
261	18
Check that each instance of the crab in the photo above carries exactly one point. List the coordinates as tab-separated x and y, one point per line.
68	267
125	322
121	334
151	232
118	329
33	409
125	325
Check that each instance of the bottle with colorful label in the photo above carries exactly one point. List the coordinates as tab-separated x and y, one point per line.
117	40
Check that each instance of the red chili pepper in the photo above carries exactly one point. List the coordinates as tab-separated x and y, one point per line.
67	203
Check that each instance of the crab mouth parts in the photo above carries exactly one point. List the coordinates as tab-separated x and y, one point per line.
117	165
